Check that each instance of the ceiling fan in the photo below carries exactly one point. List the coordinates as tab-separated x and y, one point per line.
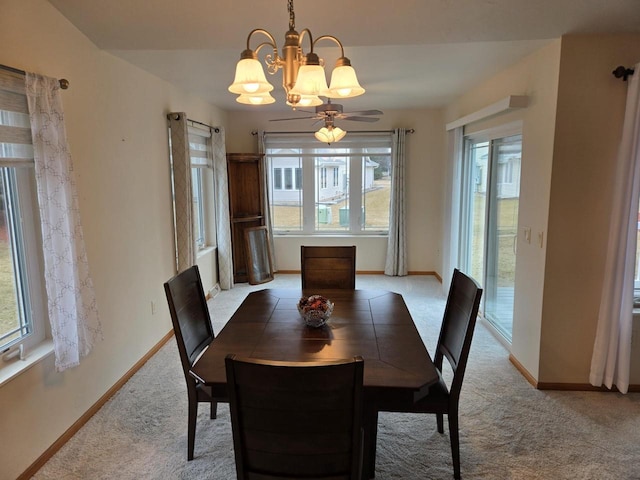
328	112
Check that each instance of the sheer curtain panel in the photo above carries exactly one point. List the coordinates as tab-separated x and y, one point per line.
611	359
73	313
182	195
267	202
223	223
396	262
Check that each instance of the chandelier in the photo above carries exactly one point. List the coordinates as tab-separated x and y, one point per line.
303	77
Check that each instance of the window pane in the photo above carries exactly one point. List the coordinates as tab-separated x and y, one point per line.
14	321
286	205
277	178
332	201
198	207
288	179
298	178
376	192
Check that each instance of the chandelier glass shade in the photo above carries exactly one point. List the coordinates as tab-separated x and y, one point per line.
256	98
303	76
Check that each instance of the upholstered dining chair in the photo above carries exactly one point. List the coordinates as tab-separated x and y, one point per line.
454	343
328	267
296	419
194	332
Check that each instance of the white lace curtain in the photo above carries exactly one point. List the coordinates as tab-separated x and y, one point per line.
611	359
396	262
73	314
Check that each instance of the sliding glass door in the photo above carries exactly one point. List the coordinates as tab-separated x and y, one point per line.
489	226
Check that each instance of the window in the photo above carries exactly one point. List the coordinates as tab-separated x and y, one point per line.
288	179
202	187
331	182
22	313
277	178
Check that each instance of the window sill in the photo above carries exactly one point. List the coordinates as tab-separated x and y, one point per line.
204	251
15	367
333	234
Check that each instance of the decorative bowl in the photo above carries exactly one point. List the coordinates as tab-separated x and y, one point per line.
315	310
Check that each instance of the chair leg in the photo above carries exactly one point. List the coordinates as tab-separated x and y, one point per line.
440	422
214	409
191	425
455	443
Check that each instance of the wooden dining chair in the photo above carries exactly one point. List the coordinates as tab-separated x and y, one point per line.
328	267
454	343
194	332
294	420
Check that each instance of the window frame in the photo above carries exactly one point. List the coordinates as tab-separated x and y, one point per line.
315	178
30	266
202	187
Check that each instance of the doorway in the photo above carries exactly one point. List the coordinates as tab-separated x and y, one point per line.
489	226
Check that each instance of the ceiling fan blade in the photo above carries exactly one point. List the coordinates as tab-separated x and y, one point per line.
356	118
292	118
365	112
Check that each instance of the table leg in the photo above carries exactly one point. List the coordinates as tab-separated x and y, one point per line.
370	422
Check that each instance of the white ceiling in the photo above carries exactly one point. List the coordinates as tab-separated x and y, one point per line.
407	53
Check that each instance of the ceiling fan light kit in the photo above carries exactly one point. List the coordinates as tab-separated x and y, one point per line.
303	76
330	134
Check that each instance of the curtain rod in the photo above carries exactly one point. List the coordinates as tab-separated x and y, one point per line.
64	83
177	117
623	72
255	132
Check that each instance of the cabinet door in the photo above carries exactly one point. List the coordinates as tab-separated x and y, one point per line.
246	206
245	185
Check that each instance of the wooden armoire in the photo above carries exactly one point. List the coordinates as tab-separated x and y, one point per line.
246	204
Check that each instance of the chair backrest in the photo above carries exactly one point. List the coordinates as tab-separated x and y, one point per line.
328	267
296	420
458	324
189	314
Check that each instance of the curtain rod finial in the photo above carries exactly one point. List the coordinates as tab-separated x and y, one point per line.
622	72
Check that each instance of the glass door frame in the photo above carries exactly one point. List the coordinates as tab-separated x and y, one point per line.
465	224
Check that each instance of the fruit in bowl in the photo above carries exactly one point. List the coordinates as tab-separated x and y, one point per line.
315	310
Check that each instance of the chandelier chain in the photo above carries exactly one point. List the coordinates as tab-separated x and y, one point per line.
292	15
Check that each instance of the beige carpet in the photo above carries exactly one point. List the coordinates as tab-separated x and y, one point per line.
508	429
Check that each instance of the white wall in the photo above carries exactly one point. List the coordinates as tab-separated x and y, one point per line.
117	129
424	176
590	113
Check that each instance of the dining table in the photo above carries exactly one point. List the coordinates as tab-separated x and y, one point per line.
374	324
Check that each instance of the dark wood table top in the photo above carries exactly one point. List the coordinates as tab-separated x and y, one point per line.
375	324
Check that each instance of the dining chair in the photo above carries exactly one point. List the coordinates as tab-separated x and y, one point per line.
454	343
328	267
293	420
193	332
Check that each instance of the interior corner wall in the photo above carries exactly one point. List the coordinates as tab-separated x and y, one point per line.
116	123
590	112
424	173
537	77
